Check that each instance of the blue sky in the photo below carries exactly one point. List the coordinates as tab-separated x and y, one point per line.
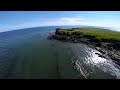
11	20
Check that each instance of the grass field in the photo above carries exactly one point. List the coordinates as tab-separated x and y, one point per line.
98	33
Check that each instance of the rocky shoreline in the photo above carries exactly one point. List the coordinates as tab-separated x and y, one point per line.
109	49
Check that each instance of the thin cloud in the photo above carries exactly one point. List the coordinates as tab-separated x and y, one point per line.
69	21
73	19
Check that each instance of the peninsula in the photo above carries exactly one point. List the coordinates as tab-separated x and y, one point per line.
103	40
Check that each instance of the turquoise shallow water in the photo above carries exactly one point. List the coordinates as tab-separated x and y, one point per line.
27	54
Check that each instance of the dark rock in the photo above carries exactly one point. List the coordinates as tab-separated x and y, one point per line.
109	48
60	37
88	36
94	40
98	44
103	40
109	45
84	40
100	50
116	59
75	41
116	46
57	32
102	56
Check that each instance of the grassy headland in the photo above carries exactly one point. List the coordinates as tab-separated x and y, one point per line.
104	40
96	33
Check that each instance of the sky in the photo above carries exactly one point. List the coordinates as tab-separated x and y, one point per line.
12	20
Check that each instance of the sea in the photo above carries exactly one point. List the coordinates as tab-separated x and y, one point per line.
28	54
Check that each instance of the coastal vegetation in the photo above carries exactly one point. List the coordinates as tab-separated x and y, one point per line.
96	33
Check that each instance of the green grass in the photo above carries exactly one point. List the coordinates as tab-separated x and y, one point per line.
99	33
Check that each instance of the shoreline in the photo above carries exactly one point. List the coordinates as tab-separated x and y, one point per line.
108	49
